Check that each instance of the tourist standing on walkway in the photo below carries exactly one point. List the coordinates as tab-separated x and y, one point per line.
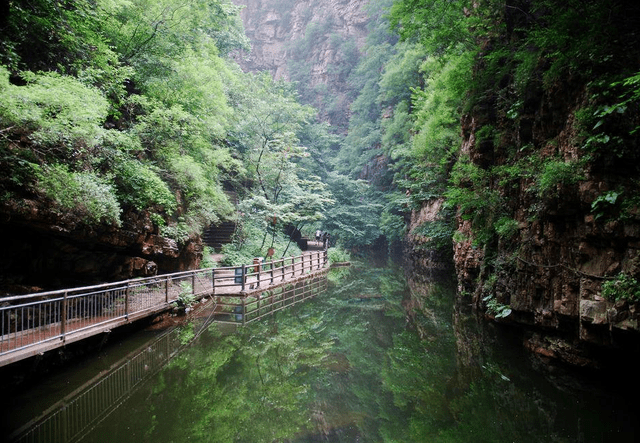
325	240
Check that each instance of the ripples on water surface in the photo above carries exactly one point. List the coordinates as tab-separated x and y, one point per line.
349	366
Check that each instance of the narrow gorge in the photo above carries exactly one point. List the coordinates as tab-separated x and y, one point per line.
466	172
497	140
551	217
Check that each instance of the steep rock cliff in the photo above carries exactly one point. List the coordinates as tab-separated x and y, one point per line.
312	42
567	190
429	261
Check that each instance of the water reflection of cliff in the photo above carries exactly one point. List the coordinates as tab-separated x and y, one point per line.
496	392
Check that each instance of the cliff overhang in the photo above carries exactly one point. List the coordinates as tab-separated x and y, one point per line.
45	249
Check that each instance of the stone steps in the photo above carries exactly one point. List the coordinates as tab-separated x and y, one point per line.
216	236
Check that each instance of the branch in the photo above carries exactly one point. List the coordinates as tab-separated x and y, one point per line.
160	20
523	11
561	265
260	180
143	44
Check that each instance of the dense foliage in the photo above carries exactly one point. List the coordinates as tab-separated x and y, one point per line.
112	108
547	94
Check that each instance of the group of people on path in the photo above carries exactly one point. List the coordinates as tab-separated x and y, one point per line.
323	236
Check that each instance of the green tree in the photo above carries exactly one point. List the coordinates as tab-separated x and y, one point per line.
284	193
437	24
353	219
116	115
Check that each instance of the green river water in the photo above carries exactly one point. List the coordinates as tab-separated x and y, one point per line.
376	358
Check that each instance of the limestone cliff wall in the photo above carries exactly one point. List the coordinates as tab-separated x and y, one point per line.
275	26
431	263
551	271
272	25
558	162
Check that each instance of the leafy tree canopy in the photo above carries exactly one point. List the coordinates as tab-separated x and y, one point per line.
139	98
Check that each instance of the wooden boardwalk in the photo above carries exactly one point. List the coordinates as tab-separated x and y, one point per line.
36	323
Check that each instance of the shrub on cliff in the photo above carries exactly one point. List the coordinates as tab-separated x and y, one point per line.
51	129
89	197
622	287
62	115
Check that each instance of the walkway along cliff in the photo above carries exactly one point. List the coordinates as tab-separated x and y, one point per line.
36	323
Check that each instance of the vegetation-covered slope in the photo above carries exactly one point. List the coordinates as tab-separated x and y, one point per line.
543	177
122	123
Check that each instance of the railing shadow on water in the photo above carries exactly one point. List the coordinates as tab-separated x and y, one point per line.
35	323
76	415
262	302
71	418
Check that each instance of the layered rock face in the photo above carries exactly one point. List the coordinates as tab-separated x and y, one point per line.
430	262
552	271
45	250
276	29
569	241
272	25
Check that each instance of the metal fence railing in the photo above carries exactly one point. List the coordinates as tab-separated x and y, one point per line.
34	319
261	274
72	418
242	310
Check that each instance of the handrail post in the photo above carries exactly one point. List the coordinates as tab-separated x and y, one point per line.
244	311
166	289
126	301
244	276
213	281
258	303
193	283
259	273
63	320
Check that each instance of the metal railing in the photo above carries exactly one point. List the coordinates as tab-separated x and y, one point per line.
27	321
77	414
243	310
261	274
